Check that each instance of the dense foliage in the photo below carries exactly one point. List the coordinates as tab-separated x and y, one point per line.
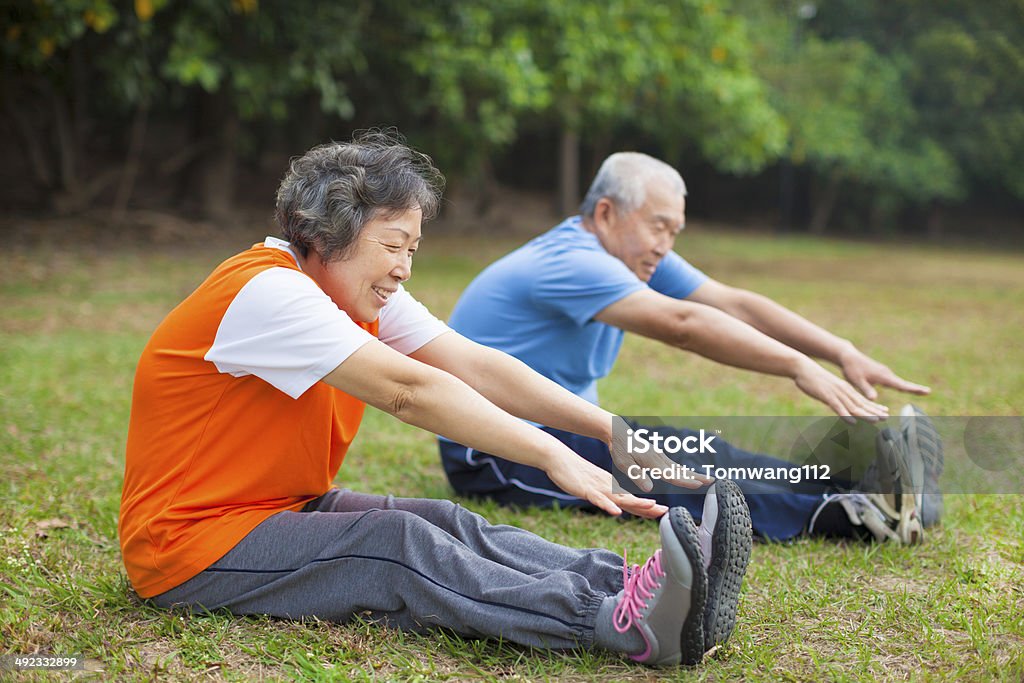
909	103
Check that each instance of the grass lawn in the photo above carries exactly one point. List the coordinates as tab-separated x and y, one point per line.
74	322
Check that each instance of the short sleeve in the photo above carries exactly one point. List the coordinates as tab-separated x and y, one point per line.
675	277
282	328
580	283
406	325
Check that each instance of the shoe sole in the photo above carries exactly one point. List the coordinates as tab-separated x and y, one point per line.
925	443
731	542
909	473
691	639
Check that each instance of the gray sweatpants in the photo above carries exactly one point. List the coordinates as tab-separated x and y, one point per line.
414	564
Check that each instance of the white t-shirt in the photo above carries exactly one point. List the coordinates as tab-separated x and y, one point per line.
284	329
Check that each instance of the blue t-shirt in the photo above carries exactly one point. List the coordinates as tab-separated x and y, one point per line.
538	304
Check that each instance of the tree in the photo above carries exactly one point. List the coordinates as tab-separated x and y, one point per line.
468	74
457	77
233	61
679	71
244	61
45	91
961	67
850	117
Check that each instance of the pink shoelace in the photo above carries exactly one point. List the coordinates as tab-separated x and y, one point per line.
638	588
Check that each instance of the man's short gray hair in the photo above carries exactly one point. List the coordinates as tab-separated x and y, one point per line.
332	191
623	178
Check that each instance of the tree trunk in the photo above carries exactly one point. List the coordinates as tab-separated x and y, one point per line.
67	149
80	89
881	213
569	172
486	186
936	222
825	203
209	181
31	141
786	184
131	165
601	144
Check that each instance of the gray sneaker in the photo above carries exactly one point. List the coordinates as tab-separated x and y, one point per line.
901	481
923	441
725	538
664	599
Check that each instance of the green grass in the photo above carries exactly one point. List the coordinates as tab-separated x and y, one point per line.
74	323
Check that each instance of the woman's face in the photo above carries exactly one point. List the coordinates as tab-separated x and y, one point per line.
379	260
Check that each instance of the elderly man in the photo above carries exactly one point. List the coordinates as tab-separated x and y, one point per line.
562	303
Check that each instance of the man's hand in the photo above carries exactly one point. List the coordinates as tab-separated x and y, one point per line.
651	459
586	480
864	372
840	396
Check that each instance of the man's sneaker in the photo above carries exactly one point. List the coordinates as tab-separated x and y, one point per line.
873	512
925	445
664	599
901	477
915	449
725	539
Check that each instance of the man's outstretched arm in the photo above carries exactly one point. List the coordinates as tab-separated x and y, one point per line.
782	324
720	337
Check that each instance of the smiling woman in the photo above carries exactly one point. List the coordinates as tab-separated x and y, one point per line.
363	280
249	393
333	191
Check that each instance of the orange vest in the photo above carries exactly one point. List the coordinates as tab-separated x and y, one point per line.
209	455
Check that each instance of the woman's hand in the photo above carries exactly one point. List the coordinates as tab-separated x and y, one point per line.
585	480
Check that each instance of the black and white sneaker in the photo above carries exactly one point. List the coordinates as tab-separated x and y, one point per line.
725	537
874	514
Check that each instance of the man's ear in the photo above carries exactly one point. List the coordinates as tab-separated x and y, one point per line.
604	213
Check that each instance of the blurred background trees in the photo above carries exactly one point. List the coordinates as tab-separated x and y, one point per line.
867	116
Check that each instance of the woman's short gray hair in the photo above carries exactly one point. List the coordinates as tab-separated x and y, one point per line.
332	191
623	178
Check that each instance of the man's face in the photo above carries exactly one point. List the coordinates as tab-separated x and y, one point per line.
641	238
379	260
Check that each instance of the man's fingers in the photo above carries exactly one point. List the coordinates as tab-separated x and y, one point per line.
851	407
858	403
864	409
843	413
901	384
865	387
879	410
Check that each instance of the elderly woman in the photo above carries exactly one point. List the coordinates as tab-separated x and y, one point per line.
249	393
